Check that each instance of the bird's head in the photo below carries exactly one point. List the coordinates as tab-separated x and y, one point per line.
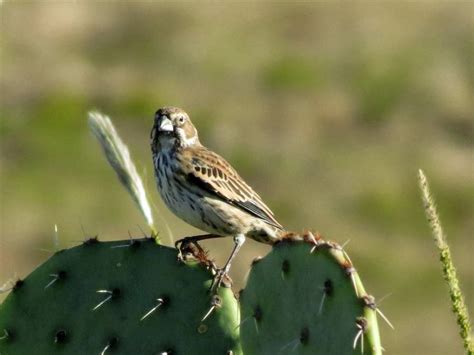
172	127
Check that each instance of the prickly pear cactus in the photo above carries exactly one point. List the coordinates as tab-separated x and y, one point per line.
306	298
118	297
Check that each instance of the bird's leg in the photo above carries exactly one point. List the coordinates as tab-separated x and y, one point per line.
181	243
239	240
194	239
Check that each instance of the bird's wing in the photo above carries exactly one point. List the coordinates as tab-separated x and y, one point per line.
214	174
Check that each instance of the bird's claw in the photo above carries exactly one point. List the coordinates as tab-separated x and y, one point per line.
221	278
179	245
187	247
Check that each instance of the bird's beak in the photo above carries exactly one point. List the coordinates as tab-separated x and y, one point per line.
166	125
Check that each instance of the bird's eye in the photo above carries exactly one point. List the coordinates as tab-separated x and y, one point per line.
181	119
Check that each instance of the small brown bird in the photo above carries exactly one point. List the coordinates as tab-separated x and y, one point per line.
202	188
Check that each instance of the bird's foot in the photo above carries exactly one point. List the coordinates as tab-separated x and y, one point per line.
221	278
189	247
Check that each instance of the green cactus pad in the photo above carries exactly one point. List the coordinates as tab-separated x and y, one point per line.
118	298
305	297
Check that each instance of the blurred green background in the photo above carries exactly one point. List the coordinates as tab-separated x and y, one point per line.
327	110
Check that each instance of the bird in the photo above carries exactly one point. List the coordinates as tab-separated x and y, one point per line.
203	189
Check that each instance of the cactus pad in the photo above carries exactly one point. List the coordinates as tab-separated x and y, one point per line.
121	298
305	297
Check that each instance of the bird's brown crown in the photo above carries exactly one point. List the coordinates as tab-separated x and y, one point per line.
169	111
